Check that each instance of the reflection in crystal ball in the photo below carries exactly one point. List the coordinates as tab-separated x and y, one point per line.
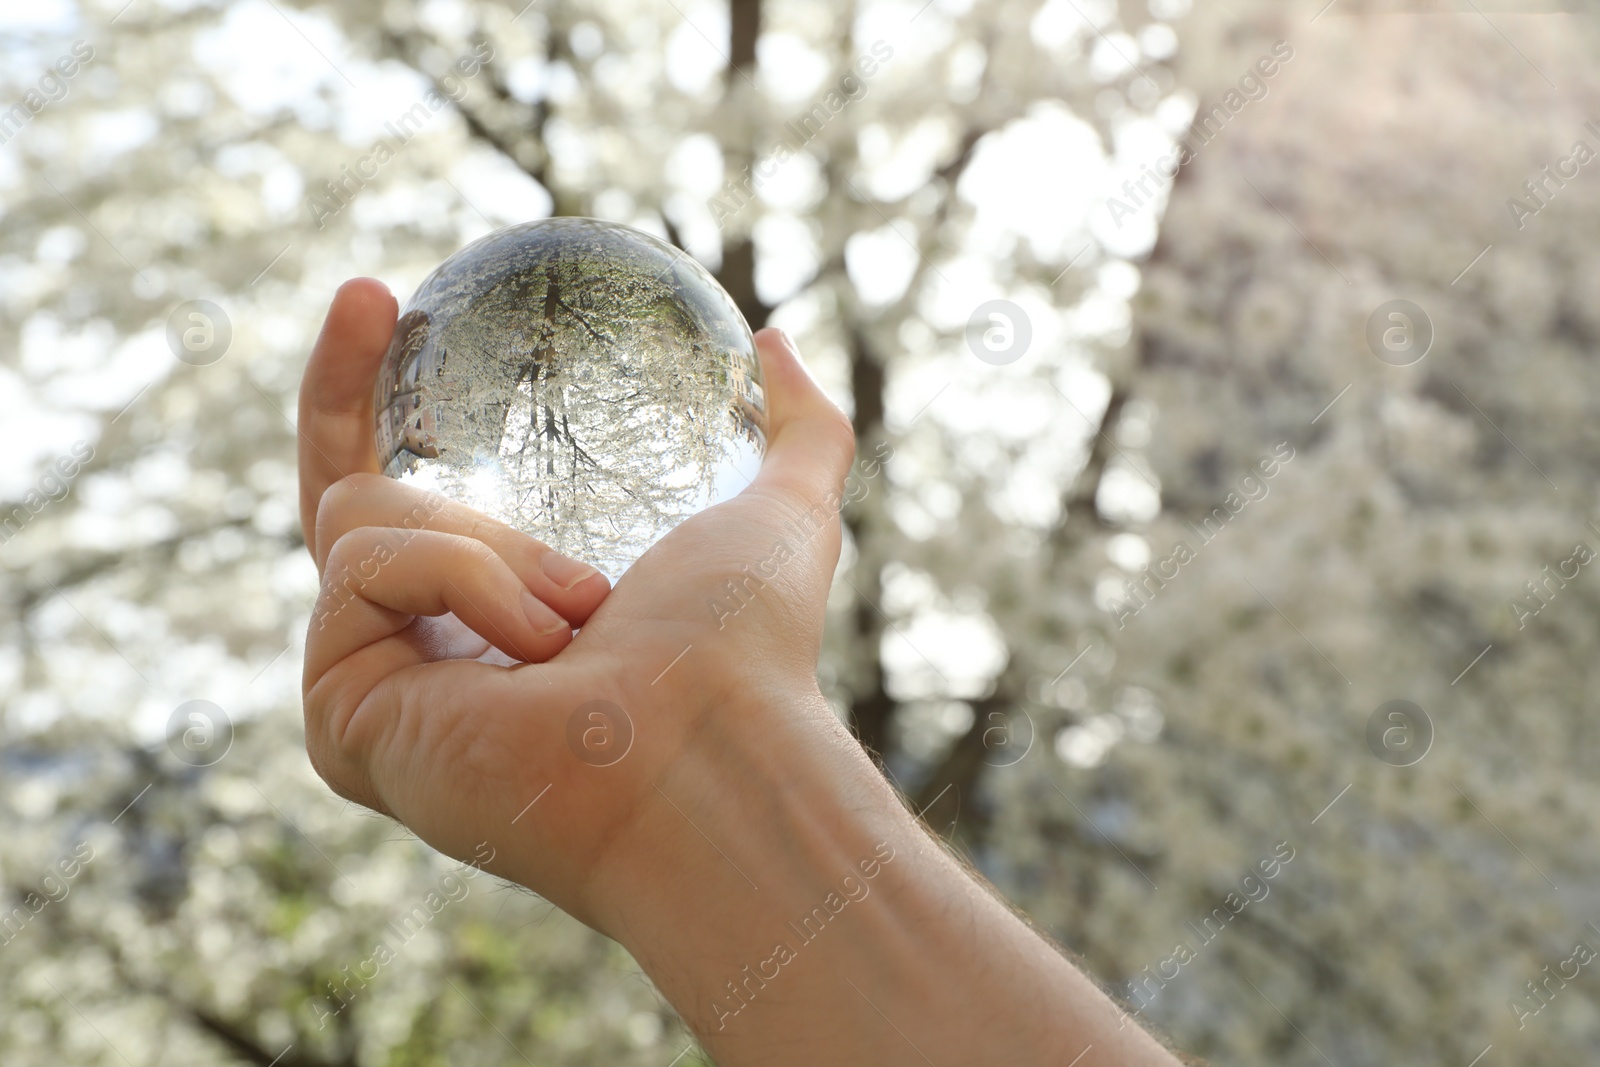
579	380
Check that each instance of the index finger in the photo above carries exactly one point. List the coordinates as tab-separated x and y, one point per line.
335	427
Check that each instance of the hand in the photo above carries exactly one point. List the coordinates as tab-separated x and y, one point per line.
415	703
744	849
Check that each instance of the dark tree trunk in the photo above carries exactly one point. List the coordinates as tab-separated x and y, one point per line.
872	710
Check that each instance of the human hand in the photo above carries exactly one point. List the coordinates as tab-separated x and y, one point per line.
742	825
442	675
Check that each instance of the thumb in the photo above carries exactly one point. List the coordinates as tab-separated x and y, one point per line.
810	442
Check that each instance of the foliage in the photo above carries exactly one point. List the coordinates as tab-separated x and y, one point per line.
1118	774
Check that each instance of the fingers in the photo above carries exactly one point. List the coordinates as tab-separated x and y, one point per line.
810	442
378	579
336	429
371	741
572	588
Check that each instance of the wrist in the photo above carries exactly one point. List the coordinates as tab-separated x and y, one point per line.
784	901
769	804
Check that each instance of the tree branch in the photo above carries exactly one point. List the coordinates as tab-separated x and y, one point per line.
1078	512
515	146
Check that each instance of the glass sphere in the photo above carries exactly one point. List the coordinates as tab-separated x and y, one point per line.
580	380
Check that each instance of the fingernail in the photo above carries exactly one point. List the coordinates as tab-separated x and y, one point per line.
565	572
544	621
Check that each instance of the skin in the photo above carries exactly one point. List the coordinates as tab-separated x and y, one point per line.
442	677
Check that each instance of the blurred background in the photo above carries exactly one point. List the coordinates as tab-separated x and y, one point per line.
1229	373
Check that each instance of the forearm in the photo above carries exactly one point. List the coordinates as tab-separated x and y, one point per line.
791	909
740	844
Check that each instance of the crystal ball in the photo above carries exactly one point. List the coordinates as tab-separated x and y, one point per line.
577	379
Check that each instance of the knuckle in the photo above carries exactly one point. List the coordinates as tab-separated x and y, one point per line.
841	431
338	497
478	552
484	529
331	770
348	547
320	737
358	556
845	428
427	508
330	749
319	761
